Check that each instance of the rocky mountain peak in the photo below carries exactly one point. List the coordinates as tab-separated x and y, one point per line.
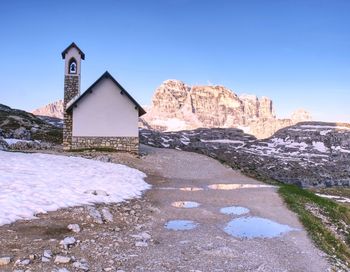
209	106
54	109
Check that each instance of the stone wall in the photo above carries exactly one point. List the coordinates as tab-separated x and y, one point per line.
71	89
127	144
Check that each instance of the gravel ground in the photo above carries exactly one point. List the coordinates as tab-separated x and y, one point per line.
131	236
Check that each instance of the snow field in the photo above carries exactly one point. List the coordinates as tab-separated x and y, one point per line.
38	183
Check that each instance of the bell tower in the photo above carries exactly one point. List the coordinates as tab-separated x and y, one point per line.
72	67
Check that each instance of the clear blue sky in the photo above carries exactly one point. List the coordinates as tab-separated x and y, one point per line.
296	52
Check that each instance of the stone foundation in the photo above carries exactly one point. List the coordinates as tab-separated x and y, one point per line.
127	144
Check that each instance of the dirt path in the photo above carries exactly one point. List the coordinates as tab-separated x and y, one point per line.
208	247
136	239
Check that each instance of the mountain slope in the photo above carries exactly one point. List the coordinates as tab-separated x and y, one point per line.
306	154
21	125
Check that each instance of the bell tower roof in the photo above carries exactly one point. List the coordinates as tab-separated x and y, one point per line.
71	46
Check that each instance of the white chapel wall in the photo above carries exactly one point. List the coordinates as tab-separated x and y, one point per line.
105	113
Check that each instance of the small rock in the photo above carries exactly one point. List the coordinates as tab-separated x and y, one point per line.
47	254
141	244
95	214
136	207
97	192
68	242
24	262
32	257
106	215
62	259
101	193
81	265
62	270
45	260
145	236
74	227
5	260
107	269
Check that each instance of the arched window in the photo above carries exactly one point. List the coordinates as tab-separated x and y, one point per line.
72	66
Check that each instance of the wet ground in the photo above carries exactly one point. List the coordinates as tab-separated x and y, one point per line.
236	223
256	227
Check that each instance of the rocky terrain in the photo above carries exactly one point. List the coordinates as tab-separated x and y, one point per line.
23	130
88	238
177	106
309	154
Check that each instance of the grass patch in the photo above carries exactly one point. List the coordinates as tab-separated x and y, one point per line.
54	135
331	237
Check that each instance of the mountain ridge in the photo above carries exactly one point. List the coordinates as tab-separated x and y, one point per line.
178	106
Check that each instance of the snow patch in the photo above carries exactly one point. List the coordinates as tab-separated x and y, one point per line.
38	183
320	147
171	124
11	141
223	141
245	129
331	127
325	132
288	143
338	148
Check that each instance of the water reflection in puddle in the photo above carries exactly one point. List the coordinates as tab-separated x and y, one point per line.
236	210
185	204
180	225
255	227
191	189
238	186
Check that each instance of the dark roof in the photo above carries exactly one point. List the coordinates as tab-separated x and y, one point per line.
69	47
123	91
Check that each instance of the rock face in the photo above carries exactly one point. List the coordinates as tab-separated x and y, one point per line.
177	106
54	109
307	154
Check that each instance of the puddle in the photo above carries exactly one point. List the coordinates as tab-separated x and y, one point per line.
185	204
188	189
180	225
237	186
236	210
191	189
255	227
